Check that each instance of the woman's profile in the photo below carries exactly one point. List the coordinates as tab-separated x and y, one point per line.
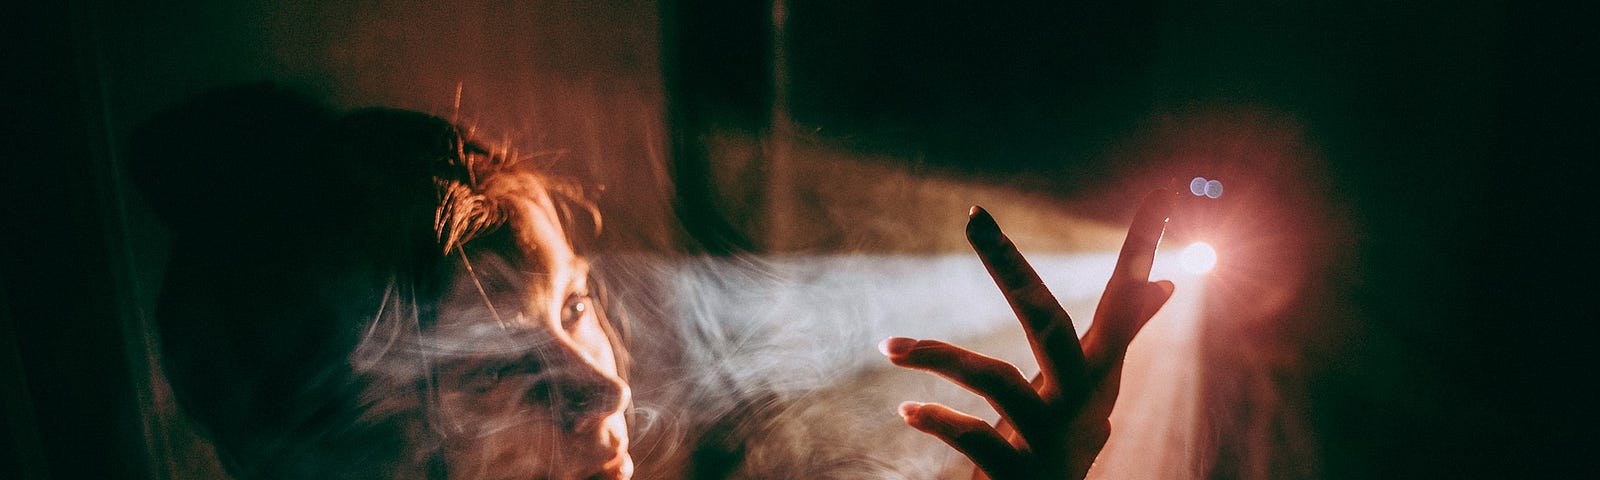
375	294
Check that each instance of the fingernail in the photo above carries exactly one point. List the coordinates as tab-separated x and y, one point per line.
908	408
895	345
981	226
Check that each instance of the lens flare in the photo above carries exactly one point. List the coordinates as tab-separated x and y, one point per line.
1198	258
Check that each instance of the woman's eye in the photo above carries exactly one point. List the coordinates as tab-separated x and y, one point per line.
576	307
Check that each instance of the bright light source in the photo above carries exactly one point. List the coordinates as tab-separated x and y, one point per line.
1198	258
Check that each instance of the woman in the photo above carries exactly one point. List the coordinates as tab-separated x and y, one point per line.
373	295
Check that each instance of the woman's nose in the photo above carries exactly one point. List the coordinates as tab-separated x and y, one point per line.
580	397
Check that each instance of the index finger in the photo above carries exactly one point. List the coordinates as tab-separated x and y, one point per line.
1049	328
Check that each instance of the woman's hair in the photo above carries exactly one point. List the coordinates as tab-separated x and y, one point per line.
310	249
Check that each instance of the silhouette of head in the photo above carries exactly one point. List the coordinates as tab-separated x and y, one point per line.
373	295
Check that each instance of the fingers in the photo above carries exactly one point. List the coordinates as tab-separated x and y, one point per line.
1157	297
969	435
1105	351
997	381
1049	328
1139	249
1109	374
1125	306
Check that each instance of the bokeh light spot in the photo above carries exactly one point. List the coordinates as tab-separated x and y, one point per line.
1198	186
1213	189
1198	258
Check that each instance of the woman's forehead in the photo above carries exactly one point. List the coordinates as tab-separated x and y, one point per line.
522	251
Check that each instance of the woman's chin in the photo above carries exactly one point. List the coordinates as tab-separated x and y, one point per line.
618	468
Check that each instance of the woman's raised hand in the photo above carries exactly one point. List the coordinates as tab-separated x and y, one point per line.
1055	425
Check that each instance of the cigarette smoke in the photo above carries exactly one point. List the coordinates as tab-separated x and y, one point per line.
763	366
777	355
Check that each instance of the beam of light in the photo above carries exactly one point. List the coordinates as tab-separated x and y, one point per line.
1198	258
1158	425
798	331
826	314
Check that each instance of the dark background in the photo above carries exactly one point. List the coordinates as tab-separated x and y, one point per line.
1458	136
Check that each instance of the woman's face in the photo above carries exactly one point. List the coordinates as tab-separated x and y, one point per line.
514	372
527	382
